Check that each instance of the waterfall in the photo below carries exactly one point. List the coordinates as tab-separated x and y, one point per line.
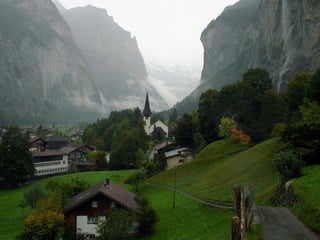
285	21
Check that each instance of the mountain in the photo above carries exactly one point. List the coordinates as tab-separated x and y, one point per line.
282	36
174	82
114	58
43	76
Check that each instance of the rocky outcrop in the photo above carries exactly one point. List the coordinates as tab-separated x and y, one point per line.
43	76
114	57
282	36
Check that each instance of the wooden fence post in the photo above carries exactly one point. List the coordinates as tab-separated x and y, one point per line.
235	228
243	216
237	200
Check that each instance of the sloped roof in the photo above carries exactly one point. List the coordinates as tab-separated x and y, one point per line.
147	110
162	145
176	152
106	188
58	152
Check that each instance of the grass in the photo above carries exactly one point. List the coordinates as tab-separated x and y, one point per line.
212	175
255	232
307	189
12	216
222	165
189	220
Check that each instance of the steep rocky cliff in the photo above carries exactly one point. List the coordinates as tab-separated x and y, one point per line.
43	76
282	36
114	57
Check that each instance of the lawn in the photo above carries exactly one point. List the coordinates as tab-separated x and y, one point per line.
12	216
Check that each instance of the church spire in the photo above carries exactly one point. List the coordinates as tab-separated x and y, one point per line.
147	111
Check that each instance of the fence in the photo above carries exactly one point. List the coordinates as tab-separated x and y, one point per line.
243	206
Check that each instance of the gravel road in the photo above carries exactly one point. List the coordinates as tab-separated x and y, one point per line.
281	224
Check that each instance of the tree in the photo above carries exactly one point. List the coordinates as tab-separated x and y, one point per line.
298	90
288	164
116	225
147	217
123	153
15	159
46	221
184	131
173	121
240	136
135	179
304	136
315	87
207	115
258	78
225	126
99	160
32	196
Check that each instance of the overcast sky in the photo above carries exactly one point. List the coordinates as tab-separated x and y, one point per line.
167	31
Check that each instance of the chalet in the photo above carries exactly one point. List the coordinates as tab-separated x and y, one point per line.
76	137
178	157
83	211
37	144
60	161
160	149
55	142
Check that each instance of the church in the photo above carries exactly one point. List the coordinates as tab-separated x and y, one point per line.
157	128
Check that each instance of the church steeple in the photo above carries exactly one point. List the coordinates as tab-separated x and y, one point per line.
147	111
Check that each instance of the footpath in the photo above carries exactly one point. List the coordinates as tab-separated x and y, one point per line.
281	224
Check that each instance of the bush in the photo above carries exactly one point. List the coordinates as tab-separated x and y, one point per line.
147	218
117	224
288	164
240	136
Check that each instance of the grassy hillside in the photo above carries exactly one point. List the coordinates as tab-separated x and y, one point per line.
12	216
189	220
211	175
223	164
307	189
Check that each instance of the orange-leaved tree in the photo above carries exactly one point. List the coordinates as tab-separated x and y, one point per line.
240	136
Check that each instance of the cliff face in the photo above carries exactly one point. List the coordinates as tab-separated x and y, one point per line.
282	36
42	73
49	73
114	57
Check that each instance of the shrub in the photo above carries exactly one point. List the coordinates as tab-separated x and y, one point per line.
288	164
240	136
225	126
147	218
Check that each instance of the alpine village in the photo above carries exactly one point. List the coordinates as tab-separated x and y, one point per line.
91	149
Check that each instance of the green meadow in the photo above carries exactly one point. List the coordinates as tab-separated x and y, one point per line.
212	175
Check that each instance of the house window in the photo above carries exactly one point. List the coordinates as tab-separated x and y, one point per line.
92	220
94	204
113	204
181	161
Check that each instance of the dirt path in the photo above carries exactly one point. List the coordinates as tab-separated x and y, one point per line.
281	224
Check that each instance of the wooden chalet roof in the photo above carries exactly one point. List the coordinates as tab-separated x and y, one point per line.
108	189
162	145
